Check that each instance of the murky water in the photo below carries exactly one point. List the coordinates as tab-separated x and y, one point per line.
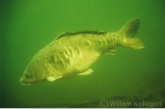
133	77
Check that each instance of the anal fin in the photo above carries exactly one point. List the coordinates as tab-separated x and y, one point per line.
87	72
110	51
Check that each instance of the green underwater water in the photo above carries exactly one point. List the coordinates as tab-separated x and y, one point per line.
132	75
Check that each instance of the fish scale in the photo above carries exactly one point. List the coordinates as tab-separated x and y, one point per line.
107	41
70	54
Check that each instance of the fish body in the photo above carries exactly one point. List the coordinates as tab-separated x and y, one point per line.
72	54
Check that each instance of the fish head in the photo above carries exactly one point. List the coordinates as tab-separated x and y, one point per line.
35	72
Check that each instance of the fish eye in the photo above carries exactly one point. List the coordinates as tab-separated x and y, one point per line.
27	75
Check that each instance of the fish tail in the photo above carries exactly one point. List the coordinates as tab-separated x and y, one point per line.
129	30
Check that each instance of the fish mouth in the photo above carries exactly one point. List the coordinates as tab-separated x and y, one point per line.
23	82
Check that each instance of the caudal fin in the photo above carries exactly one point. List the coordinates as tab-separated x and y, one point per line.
129	30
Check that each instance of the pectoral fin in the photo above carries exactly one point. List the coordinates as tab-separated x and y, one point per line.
52	78
87	72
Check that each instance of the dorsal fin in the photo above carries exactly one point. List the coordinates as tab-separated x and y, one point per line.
65	34
62	35
89	32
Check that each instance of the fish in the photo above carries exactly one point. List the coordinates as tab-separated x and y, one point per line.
73	53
